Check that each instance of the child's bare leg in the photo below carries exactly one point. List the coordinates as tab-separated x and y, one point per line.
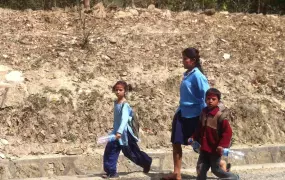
177	159
223	165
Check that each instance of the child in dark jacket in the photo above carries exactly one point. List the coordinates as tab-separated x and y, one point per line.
214	134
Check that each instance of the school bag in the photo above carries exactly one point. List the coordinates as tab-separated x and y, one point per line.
134	123
224	114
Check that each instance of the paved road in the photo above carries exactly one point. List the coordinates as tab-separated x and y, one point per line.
264	174
255	172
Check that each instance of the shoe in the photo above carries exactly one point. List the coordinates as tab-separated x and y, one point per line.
147	168
109	176
229	167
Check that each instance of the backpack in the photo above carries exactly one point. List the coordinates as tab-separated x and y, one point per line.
134	123
224	115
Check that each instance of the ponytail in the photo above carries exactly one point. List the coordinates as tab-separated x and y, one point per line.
130	88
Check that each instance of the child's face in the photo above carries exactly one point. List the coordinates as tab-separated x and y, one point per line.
187	62
212	101
119	91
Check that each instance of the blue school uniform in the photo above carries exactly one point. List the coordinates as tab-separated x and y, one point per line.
192	93
127	143
121	118
192	100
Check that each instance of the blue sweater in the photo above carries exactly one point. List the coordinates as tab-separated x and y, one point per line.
121	118
192	93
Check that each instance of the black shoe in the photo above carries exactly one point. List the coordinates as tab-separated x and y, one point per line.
109	176
229	167
146	169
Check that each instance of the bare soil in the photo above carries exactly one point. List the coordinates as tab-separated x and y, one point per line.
67	100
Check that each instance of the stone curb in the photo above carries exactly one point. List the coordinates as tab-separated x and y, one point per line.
61	165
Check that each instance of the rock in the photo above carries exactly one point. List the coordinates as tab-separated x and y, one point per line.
112	40
3	71
105	57
62	54
224	12
272	16
272	49
167	14
183	15
134	12
124	73
145	15
4	68
4	141
99	10
74	151
226	56
123	14
151	7
209	12
2	156
15	77
111	55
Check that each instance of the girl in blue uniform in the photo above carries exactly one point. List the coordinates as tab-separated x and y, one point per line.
125	138
192	100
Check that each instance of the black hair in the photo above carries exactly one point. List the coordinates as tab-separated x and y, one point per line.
193	54
127	87
215	92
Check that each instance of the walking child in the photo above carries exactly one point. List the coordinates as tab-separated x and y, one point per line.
214	133
192	100
125	138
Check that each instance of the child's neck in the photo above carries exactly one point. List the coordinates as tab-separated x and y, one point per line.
189	70
121	100
210	109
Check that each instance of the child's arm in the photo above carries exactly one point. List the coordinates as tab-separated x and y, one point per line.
196	135
125	119
203	86
226	134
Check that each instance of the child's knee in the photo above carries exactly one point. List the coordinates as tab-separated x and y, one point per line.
217	171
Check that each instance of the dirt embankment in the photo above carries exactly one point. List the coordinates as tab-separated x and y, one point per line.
68	102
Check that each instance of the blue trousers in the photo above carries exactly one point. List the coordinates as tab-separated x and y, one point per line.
132	152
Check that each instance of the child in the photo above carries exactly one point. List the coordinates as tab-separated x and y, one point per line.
214	135
125	138
192	100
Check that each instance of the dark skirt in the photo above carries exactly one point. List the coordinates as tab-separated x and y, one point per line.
183	128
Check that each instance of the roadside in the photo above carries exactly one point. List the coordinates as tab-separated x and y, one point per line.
248	172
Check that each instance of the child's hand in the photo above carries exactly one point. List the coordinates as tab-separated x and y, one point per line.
220	150
118	136
190	141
